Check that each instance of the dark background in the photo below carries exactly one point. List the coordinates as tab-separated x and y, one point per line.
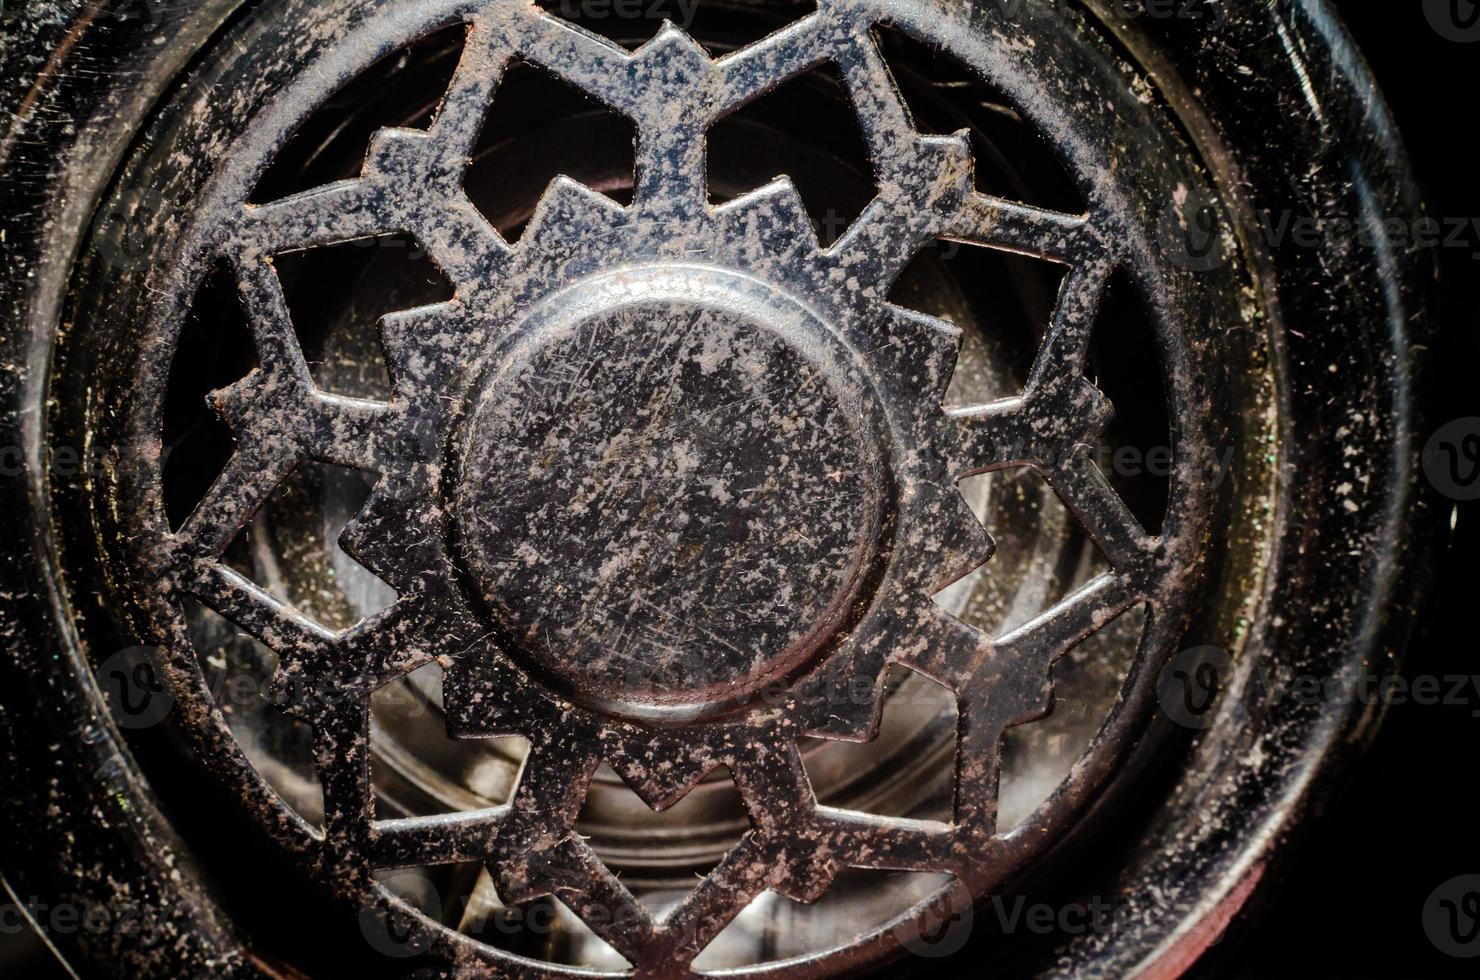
1349	904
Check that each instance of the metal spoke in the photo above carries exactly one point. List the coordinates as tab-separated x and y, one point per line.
264	616
479	71
930	182
488	454
744	873
753	71
881	109
343	212
1013	227
592	64
342	758
1086	491
861	840
248	480
411	842
1066	346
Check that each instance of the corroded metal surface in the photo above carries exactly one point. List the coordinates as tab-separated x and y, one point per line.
447	461
666	500
666	486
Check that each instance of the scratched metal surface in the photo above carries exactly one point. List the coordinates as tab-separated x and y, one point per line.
795	346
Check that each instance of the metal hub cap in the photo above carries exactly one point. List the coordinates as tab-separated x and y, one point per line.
668	486
670	489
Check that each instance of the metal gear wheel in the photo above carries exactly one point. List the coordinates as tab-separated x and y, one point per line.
674	480
666	485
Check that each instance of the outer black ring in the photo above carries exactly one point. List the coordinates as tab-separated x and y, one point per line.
80	820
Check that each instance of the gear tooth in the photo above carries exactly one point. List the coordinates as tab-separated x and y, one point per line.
426	345
953	164
808	877
537	873
234	402
941	647
1098	412
672	50
570	204
514	887
773	214
832	707
283	691
963	544
969	544
377	538
396	153
663	781
484	697
916	352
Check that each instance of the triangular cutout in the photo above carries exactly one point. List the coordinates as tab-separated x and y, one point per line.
907	769
772	928
417	769
402	90
1002	302
438	892
1013	159
1038	756
336	297
291	549
702	826
1136	452
1042	552
539	128
214	350
236	669
807	130
576	943
544	929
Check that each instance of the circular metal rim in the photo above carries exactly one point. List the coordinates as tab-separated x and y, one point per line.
783	318
1107	203
1353	116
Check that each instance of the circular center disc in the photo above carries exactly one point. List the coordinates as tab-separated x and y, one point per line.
669	499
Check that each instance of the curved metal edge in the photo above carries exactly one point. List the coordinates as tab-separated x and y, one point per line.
1259	779
44	218
80	79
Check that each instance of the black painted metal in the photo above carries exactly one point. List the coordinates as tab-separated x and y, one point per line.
489	457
